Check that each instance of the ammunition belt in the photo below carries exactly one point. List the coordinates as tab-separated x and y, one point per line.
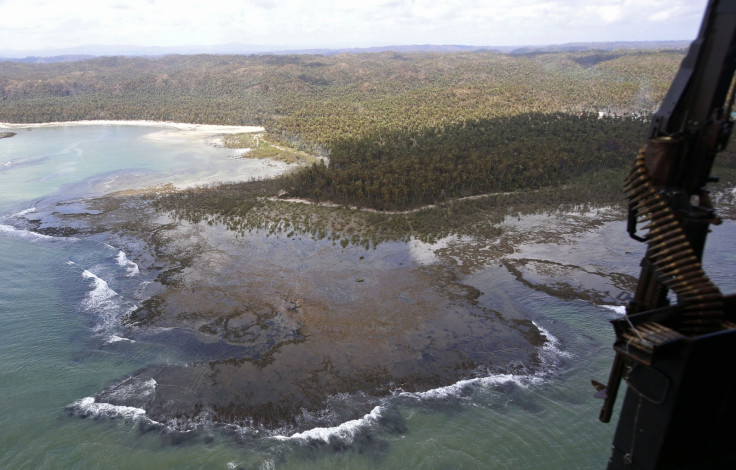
672	256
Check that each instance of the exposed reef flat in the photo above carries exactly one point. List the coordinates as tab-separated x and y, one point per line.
287	321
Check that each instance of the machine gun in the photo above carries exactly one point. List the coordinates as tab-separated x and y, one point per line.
679	361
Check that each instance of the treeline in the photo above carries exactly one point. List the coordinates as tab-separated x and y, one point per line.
314	100
401	130
402	168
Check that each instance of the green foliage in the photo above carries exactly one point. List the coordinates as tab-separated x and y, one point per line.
244	207
400	130
401	169
259	147
311	101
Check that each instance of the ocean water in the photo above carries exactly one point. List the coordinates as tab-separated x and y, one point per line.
60	341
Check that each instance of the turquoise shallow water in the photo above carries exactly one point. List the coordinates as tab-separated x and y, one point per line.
60	298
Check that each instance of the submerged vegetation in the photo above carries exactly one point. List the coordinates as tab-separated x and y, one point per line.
246	207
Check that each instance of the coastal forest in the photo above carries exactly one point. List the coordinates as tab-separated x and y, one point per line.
400	131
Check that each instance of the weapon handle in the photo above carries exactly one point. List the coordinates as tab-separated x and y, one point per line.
614	380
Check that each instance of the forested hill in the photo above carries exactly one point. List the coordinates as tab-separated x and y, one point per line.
319	98
401	130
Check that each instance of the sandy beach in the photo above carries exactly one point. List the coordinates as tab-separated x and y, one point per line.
229	167
174	132
208	128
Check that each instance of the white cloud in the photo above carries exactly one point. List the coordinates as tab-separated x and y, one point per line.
610	13
35	24
663	15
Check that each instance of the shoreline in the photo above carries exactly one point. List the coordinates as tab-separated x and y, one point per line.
172	133
279	311
166	132
209	128
177	132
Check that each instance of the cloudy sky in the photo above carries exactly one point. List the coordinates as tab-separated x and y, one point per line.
52	24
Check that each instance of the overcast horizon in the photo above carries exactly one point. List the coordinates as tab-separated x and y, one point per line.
46	27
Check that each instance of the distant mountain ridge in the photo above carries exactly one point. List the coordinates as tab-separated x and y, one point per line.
86	52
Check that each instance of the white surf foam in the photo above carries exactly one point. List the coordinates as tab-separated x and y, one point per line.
457	388
24	212
549	355
87	406
132	388
104	302
101	293
345	432
9	230
118	339
619	309
551	351
130	267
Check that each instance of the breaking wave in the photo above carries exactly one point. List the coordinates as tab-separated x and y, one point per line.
21	233
549	357
9	230
131	268
344	432
87	406
130	398
104	406
619	309
550	353
99	297
118	339
460	387
108	306
24	212
134	388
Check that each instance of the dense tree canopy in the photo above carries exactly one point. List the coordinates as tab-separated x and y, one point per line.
401	130
404	168
316	99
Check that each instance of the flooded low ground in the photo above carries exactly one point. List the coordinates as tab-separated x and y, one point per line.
280	324
270	334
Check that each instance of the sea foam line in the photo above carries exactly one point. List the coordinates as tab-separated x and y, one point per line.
491	380
132	388
87	406
344	432
347	431
26	234
551	350
24	212
619	309
549	354
105	303
117	339
101	293
130	267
